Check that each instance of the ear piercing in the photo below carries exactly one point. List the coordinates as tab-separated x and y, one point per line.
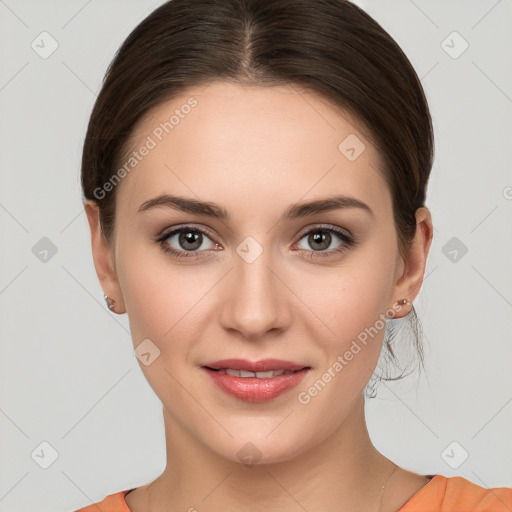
111	303
391	313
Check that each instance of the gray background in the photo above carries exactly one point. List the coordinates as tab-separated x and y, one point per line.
68	374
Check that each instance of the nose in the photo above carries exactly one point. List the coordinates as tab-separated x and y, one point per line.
255	301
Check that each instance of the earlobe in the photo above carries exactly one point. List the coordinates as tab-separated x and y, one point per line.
398	306
102	257
409	283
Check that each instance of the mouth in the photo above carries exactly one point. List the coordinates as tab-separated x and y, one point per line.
258	375
255	381
264	365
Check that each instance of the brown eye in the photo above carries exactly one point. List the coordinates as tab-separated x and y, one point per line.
190	240
186	242
319	240
325	241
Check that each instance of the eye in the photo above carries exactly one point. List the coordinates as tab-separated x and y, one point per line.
325	241
186	241
192	242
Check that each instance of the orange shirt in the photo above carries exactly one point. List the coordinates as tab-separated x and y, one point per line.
441	494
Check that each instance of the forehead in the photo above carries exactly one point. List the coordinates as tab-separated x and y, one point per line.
242	145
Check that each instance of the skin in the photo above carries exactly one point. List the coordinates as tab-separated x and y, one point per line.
255	151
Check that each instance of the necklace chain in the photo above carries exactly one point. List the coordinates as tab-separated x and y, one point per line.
384	486
150	508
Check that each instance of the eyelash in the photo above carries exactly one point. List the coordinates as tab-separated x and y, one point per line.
347	240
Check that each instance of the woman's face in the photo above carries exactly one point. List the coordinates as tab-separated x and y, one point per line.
267	280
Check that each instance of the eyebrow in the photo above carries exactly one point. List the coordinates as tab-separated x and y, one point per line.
294	211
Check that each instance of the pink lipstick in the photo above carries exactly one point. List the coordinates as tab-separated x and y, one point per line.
255	381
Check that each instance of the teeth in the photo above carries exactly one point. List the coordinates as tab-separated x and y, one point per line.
268	375
258	375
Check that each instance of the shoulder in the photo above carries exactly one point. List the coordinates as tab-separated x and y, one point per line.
457	494
112	503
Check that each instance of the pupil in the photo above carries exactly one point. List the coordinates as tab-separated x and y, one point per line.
190	237
320	238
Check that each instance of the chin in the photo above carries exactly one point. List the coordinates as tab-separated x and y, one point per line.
257	448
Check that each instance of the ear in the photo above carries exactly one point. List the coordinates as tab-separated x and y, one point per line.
412	268
102	256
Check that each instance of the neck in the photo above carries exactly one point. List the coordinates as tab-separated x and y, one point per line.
344	472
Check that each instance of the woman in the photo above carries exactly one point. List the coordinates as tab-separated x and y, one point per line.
254	175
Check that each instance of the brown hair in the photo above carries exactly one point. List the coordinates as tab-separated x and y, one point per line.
329	47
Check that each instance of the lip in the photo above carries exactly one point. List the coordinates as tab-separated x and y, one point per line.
264	365
254	389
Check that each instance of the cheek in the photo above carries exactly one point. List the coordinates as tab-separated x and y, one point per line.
166	304
356	294
354	308
352	302
162	300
